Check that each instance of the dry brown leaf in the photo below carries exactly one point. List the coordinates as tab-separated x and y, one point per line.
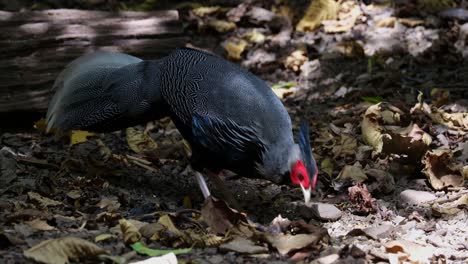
386	22
296	236
451	208
41	200
352	173
371	130
206	10
219	216
41	125
327	166
350	49
166	231
139	141
373	232
74	194
234	48
409	251
39	224
381	131
346	147
380	181
318	11
295	60
456	121
111	203
411	22
221	26
439	170
349	13
62	250
103	237
254	36
79	136
244	246
130	232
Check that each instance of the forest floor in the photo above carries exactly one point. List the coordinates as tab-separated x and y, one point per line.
385	92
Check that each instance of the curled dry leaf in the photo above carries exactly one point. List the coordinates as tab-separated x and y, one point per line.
381	131
451	208
62	250
456	121
362	199
407	251
297	236
219	216
318	11
372	131
439	170
130	233
139	141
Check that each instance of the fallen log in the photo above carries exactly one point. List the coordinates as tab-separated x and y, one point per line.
35	46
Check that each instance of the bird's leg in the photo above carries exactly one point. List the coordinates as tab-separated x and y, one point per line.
227	194
202	184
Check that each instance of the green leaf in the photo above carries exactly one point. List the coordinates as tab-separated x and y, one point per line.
141	249
372	99
285	85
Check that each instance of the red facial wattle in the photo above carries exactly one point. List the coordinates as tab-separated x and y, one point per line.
299	175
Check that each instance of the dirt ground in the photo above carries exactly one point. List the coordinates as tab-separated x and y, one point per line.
51	189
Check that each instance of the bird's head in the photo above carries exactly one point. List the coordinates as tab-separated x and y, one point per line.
303	168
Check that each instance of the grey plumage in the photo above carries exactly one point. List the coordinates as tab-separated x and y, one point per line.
230	117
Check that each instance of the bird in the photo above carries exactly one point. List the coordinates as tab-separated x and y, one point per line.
231	119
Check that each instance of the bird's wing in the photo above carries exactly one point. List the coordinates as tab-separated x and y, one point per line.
224	136
102	91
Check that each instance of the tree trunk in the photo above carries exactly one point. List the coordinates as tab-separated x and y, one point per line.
36	46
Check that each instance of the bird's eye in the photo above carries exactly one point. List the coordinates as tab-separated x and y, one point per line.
300	177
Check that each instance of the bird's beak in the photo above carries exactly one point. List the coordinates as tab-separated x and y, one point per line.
307	193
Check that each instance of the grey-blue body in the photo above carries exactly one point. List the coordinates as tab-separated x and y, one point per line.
230	117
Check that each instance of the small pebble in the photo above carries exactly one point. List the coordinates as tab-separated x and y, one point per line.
414	197
320	211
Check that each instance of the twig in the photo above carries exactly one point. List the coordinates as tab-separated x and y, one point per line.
138	163
39	162
142	161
